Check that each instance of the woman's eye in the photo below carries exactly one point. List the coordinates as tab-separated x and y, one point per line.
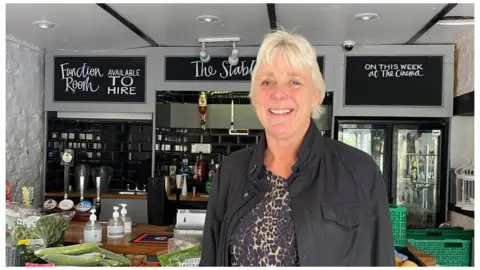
266	83
295	82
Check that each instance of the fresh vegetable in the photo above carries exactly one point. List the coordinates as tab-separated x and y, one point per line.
113	256
68	250
181	258
409	263
89	259
112	262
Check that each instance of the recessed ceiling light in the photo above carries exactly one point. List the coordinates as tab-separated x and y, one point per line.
207	18
366	16
44	24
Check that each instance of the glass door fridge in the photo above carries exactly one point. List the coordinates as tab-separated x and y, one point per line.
418	171
370	137
412	154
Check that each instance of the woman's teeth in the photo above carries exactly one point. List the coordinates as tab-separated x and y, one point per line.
279	111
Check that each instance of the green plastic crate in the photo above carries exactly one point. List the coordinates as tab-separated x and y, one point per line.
440	234
398	217
447	252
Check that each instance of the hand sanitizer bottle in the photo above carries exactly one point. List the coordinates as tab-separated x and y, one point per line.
127	221
92	232
115	228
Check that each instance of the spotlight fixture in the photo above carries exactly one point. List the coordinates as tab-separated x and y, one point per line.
204	55
208	18
366	16
233	58
44	24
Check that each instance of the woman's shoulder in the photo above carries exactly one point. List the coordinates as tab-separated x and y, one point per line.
238	158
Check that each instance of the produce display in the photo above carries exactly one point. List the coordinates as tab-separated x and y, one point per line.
182	252
87	254
25	225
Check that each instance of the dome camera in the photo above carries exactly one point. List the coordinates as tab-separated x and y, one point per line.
348	45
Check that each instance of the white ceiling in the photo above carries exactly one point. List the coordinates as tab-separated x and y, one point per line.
175	24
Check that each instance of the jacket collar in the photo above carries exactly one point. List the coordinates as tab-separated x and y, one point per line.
309	150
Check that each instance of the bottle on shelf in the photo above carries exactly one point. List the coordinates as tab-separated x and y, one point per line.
196	170
202	170
92	232
115	227
211	174
127	220
202	109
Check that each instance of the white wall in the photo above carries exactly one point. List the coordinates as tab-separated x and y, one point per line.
25	119
462	127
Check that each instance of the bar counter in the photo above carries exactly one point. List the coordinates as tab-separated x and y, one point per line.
199	197
74	235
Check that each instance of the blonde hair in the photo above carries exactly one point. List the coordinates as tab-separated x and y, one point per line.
299	52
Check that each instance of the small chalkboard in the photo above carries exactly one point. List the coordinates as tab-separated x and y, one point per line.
217	69
394	81
99	79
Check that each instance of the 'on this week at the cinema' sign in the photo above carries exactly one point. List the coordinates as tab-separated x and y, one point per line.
100	79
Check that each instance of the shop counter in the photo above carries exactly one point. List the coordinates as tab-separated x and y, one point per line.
74	235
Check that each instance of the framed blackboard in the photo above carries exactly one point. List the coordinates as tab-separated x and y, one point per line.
394	81
217	69
99	79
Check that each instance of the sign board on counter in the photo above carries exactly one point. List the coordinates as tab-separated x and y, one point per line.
100	79
217	69
394	81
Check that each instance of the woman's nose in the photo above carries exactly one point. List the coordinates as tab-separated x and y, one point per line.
279	93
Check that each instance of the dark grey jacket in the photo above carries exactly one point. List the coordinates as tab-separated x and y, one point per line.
338	200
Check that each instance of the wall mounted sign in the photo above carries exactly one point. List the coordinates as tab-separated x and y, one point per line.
217	69
394	80
99	79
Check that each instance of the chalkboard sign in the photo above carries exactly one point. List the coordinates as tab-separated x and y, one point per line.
99	79
217	69
394	80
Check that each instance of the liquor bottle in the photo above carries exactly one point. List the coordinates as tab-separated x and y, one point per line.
196	170
211	174
202	170
202	108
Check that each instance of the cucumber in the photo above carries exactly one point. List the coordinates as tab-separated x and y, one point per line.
113	256
89	259
68	250
112	262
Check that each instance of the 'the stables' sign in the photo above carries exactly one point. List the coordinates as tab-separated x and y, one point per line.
217	69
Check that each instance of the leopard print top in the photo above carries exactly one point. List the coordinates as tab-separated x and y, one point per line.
265	236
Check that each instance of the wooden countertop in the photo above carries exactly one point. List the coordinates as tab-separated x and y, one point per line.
199	197
427	259
74	235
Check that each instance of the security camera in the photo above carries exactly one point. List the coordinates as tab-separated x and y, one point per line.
348	45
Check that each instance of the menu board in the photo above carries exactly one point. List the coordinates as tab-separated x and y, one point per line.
394	81
99	79
217	69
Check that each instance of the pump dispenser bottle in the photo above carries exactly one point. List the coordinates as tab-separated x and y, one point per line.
115	228
127	220
92	232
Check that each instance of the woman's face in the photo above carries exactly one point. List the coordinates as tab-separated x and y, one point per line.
284	97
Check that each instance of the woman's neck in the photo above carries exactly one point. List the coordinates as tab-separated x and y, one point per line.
281	154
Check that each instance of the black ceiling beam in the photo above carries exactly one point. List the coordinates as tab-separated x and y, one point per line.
272	16
128	24
431	23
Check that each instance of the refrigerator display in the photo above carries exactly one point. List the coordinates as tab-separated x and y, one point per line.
412	155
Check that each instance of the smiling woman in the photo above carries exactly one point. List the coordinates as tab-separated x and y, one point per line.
296	198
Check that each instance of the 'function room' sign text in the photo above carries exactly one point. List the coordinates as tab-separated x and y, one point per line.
217	69
99	79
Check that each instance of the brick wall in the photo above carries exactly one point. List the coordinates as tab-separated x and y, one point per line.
464	66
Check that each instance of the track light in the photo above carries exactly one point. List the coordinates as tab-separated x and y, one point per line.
204	55
233	58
